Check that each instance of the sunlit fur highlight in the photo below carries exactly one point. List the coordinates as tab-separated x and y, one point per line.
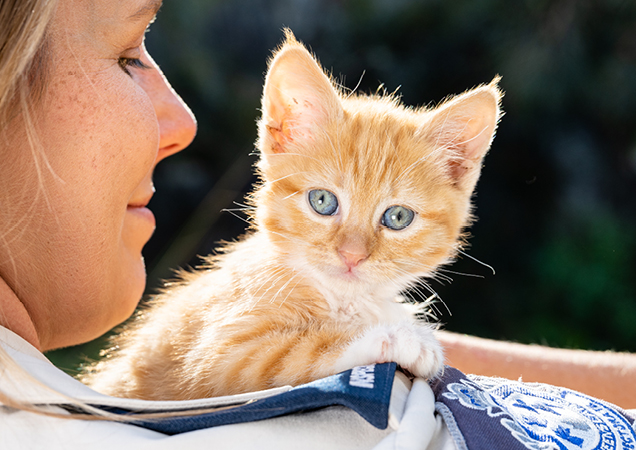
280	306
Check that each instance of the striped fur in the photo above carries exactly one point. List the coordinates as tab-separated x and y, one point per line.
281	305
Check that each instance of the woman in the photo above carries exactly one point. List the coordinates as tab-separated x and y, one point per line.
85	116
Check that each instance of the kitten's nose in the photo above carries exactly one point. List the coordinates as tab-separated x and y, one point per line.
352	256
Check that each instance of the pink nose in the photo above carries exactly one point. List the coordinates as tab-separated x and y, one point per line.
352	259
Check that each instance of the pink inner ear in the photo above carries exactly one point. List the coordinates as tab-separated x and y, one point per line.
279	139
298	100
296	123
457	168
471	147
463	129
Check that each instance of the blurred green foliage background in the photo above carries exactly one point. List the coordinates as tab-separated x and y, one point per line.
557	198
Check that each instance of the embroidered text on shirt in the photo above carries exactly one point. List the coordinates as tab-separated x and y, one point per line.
362	376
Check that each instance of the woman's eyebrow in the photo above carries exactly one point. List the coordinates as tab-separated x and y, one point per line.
149	9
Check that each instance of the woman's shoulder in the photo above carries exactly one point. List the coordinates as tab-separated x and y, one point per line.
33	377
36	381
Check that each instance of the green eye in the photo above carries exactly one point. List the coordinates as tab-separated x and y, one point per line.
324	202
397	217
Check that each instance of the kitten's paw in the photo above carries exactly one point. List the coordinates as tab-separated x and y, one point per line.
411	345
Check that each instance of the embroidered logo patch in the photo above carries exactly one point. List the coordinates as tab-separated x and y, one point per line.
544	417
363	376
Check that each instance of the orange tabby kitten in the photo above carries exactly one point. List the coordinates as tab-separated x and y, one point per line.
360	197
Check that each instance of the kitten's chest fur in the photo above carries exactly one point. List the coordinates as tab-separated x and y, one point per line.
366	307
278	283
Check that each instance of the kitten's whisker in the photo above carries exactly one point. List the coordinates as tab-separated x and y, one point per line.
426	286
287	237
476	260
421	283
244	206
461	273
292	289
357	85
427	300
433	306
431	300
276	275
291	195
272	285
409	298
432	271
441	300
282	289
231	211
295	154
440	278
419	265
416	288
472	138
286	176
412	281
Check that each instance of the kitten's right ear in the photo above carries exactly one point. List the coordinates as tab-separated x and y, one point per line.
298	101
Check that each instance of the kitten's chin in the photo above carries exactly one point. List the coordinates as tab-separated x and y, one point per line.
341	281
352	275
352	279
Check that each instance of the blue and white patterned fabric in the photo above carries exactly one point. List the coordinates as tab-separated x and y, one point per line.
493	413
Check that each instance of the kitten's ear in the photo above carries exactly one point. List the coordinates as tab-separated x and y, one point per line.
463	128
298	99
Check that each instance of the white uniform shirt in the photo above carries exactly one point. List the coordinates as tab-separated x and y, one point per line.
413	423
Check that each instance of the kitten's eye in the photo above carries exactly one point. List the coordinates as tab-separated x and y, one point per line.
397	217
323	202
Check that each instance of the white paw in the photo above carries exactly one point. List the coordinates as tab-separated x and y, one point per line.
411	345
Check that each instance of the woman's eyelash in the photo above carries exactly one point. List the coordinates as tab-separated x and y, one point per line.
127	63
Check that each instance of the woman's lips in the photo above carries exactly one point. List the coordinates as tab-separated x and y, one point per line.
142	212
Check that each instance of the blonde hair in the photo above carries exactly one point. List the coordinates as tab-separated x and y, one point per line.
23	25
23	80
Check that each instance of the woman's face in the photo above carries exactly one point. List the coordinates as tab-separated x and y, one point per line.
72	217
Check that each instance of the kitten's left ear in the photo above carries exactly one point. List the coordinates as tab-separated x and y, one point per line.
463	128
299	99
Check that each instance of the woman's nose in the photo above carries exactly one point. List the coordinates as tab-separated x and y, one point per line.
177	124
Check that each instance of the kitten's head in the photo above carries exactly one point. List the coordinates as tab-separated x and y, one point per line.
360	193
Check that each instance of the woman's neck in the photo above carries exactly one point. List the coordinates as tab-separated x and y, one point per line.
15	317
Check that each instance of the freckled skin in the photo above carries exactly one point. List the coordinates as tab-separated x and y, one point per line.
305	295
70	247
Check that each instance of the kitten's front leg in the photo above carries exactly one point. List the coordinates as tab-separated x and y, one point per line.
413	346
